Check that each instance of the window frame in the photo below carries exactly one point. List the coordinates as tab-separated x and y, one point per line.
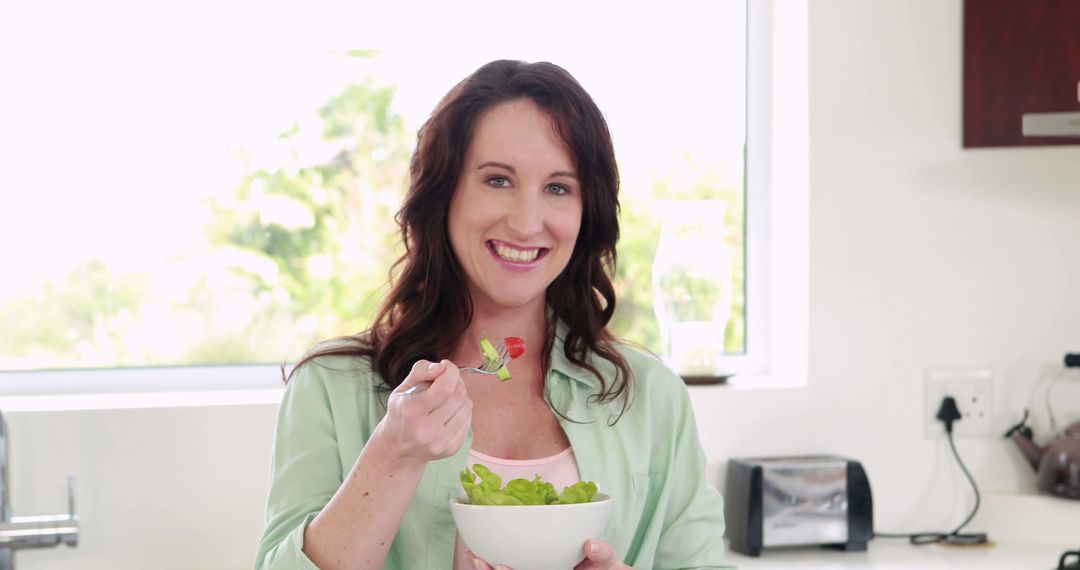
777	198
777	250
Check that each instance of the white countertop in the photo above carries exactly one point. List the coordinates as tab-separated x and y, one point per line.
898	554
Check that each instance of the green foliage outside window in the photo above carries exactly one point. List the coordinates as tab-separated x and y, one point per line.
301	251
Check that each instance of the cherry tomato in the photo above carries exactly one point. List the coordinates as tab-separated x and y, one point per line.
515	345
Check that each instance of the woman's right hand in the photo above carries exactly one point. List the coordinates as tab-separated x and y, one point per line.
432	424
416	430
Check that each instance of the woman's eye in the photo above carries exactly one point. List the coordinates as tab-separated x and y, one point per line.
558	189
499	181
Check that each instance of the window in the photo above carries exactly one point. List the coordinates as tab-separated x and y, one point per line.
216	184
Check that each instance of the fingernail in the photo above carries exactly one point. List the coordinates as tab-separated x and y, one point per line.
432	365
477	564
593	548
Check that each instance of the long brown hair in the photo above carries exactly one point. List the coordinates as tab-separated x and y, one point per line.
429	308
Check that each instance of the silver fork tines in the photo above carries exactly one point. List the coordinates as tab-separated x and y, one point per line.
490	366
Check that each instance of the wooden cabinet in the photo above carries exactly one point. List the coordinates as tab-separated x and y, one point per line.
1021	72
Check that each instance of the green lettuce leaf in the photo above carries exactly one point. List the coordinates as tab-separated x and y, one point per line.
488	491
580	492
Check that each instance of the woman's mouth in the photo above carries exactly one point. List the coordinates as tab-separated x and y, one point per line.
516	254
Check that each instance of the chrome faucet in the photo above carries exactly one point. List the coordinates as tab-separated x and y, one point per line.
31	531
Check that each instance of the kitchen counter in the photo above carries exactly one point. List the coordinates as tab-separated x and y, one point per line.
898	554
1026	532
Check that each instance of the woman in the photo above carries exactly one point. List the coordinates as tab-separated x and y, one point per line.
510	225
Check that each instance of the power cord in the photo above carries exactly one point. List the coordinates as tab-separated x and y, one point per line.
1063	562
948	413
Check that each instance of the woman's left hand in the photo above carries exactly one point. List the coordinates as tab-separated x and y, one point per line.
599	555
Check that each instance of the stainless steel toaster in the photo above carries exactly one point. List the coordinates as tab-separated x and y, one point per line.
818	500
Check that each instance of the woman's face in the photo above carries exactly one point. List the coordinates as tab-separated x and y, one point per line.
517	208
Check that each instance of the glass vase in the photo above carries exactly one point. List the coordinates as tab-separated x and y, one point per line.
692	285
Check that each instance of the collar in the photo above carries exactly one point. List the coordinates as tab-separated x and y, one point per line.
582	377
570	388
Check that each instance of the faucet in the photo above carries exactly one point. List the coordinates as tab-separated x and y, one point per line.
30	531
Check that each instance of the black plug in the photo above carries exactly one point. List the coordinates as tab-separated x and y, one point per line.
948	412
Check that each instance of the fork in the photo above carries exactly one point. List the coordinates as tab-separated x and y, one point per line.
490	366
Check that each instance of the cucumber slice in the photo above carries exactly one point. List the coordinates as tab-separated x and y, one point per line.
492	355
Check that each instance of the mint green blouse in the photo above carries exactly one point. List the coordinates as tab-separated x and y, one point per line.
664	513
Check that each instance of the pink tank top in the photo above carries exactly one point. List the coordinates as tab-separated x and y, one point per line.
561	470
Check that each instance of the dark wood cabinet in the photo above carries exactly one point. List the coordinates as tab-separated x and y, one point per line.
1021	58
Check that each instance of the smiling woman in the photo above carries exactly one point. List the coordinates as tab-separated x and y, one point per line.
509	226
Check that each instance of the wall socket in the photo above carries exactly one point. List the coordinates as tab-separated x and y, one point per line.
972	388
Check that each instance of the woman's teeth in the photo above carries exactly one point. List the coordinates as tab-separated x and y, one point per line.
518	255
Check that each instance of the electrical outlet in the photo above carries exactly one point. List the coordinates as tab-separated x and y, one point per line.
972	389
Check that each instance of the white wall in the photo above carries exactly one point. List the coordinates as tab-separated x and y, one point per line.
161	489
922	255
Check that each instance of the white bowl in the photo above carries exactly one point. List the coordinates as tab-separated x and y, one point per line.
531	537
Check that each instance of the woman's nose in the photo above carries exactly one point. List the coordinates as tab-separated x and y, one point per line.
526	215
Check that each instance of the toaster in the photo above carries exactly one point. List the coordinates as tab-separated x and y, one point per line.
818	500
